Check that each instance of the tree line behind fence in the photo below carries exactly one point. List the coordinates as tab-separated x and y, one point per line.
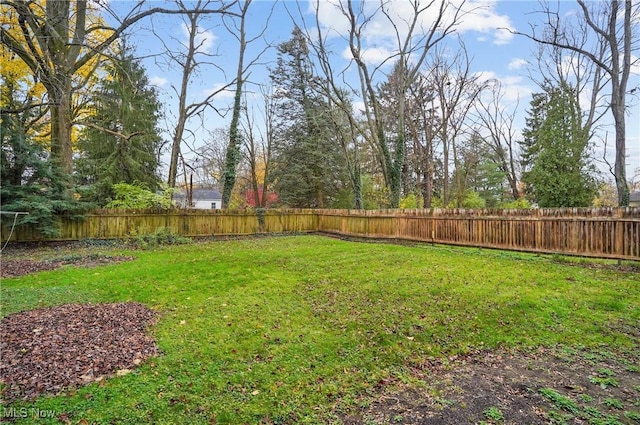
594	232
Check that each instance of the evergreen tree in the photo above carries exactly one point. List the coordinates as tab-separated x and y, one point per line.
557	169
31	181
121	141
308	168
478	170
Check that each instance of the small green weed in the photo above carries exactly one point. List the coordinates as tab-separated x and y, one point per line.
634	416
606	373
443	402
493	414
559	418
592	412
613	403
603	382
560	401
607	420
586	398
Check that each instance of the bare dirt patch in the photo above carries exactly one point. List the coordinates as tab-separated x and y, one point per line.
51	349
559	386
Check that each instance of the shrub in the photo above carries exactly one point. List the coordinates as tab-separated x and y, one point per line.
521	203
409	201
162	236
132	196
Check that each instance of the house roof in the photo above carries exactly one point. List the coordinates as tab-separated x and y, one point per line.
200	194
634	197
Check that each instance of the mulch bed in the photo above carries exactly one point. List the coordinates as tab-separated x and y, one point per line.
51	349
14	267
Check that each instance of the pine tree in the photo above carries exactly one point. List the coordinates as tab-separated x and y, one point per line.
121	141
31	181
308	166
557	169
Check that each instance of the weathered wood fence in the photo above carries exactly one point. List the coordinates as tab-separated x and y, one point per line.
601	232
126	223
595	232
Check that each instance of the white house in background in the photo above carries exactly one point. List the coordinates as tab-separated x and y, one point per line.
202	199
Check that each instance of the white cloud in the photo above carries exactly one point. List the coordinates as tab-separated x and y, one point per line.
476	15
203	41
372	55
358	108
517	63
158	81
221	91
483	18
330	16
502	36
513	86
485	76
517	92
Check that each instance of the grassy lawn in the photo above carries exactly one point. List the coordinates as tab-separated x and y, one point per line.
298	329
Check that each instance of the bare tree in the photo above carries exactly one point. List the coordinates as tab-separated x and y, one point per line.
209	161
423	130
456	90
56	41
233	154
611	40
413	39
498	121
193	57
258	144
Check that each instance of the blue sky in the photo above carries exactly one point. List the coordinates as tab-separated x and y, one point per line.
495	53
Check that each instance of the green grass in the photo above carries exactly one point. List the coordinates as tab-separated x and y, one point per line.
297	329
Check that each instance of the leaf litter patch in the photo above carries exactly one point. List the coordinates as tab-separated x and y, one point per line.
48	350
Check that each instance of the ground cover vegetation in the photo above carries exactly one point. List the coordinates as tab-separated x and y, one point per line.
417	128
309	329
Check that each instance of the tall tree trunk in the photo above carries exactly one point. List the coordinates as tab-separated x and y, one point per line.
620	166
175	150
233	156
619	80
183	115
57	13
445	165
61	122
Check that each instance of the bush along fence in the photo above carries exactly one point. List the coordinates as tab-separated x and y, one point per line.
595	232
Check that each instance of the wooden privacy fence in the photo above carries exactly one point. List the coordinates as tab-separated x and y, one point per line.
594	232
126	223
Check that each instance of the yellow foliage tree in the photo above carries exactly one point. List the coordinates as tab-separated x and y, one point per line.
61	43
35	75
